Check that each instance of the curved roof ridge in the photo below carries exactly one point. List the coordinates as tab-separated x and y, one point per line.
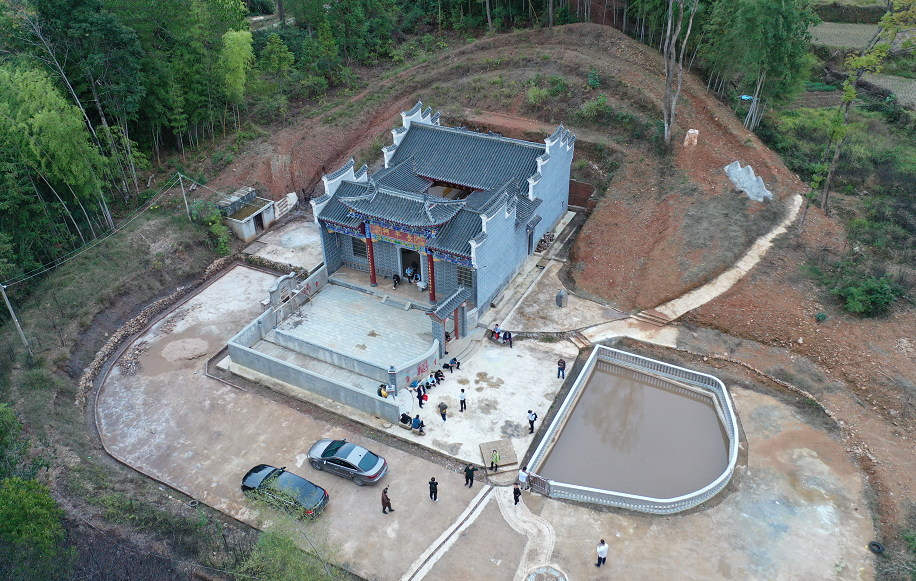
342	170
490	136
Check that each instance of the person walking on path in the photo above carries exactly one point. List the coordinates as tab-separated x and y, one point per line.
463	398
494	461
602	553
561	369
469	475
442	407
523	477
386	502
433	489
420	393
516	493
532	417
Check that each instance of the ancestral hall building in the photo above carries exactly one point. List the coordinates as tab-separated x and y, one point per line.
466	208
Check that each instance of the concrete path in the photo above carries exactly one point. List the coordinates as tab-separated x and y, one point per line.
597	323
541	538
726	280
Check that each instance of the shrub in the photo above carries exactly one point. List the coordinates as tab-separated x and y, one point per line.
870	296
593	80
537	96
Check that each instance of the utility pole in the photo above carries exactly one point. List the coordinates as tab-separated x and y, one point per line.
15	320
185	196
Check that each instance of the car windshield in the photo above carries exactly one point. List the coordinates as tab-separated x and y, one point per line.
368	462
333	448
299	488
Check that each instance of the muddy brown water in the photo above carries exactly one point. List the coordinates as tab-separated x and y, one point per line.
627	435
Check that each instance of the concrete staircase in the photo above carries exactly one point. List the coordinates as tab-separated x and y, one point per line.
579	340
652	317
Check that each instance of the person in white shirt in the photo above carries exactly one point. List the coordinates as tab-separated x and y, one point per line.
523	477
602	553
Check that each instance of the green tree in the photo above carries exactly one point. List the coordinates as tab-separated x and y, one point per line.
898	24
235	60
31	528
276	58
762	46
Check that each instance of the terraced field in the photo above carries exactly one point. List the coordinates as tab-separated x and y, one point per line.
839	35
903	88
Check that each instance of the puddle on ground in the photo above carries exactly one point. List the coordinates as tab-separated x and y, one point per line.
484	378
627	436
512	429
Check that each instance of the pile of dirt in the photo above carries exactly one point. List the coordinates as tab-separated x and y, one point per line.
185	350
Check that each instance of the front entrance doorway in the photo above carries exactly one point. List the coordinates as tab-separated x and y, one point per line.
258	223
410	258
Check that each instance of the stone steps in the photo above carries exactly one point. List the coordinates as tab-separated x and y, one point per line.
652	317
579	340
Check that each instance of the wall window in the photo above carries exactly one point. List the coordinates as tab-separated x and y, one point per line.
466	276
359	248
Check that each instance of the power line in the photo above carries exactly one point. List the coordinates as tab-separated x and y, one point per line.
105	236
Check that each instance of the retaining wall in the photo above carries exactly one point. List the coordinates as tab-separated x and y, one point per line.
684	380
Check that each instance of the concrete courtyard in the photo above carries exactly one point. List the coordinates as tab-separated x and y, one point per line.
796	510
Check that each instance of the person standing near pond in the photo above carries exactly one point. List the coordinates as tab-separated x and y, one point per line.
463	398
602	553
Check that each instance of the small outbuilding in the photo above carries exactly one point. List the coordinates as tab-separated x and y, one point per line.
246	214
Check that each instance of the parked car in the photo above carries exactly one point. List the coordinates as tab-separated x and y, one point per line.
348	460
284	490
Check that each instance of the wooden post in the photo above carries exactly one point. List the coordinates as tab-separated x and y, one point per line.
370	253
15	320
432	277
185	196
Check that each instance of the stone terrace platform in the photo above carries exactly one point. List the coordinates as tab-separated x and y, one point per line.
405	293
360	326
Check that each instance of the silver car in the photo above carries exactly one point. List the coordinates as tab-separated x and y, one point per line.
348	460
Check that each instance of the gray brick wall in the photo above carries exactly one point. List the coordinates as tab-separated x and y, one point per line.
330	245
446	278
553	188
346	251
499	257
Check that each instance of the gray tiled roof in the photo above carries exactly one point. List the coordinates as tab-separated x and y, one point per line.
448	306
342	170
402	177
468	158
454	236
336	212
407	208
525	208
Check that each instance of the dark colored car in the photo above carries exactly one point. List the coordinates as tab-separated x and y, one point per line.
284	490
348	460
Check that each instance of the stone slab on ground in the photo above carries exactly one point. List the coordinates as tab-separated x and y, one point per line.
507	456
